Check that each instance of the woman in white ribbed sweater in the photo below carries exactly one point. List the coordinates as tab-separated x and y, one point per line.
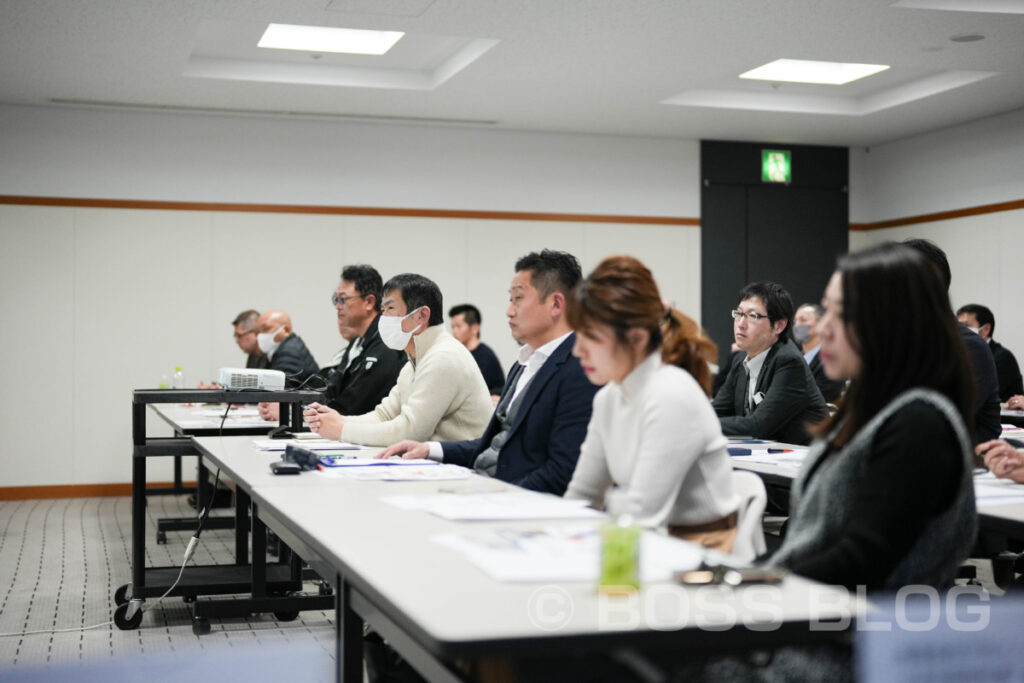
654	448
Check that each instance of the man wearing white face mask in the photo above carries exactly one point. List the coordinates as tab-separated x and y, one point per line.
440	394
805	334
285	349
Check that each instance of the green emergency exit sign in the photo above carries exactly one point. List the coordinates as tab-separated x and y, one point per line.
776	166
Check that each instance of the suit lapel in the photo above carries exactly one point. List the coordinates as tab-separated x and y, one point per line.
540	379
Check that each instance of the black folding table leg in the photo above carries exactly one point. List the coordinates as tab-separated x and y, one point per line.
349	640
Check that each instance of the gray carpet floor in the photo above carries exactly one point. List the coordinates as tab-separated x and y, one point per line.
60	563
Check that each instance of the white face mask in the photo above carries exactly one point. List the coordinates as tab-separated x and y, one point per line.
975	330
391	333
266	341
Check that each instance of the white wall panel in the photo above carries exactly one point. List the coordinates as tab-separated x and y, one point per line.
985	257
142	305
109	300
37	307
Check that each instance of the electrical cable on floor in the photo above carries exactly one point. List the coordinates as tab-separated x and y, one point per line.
204	514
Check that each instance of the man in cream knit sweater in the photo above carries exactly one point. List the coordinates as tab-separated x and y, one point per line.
440	394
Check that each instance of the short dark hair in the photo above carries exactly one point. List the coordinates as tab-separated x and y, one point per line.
983	314
933	253
470	312
366	280
818	310
247	318
551	271
777	303
418	291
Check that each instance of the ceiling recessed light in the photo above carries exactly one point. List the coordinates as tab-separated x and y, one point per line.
807	71
327	39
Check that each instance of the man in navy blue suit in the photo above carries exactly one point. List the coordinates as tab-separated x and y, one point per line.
533	439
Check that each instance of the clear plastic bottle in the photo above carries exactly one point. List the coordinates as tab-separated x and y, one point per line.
178	381
620	556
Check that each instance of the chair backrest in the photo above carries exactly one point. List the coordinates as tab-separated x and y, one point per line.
749	541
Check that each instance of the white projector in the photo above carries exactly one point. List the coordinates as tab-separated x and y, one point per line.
244	378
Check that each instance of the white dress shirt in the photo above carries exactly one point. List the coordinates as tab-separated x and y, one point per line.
753	366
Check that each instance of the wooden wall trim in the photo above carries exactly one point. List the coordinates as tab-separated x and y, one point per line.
75	490
344	210
941	215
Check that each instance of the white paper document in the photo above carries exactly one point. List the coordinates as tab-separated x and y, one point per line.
308	444
563	554
417	471
509	504
793	459
988	491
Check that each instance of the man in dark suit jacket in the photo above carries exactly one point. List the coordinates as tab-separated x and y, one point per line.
533	439
805	322
783	399
285	350
980	319
986	383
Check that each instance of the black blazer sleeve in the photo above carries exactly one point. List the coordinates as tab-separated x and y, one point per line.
790	398
986	399
724	402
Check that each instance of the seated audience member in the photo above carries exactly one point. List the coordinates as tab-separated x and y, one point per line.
979	319
440	393
367	369
769	392
533	439
654	449
285	350
245	336
805	334
466	328
986	384
1003	459
885	498
723	367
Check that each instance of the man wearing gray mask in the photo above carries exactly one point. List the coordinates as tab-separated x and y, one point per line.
805	334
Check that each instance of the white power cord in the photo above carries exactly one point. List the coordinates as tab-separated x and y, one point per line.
145	608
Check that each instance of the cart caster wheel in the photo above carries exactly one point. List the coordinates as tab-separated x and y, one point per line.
325	589
286	616
122	621
188	599
161	537
200	626
121	595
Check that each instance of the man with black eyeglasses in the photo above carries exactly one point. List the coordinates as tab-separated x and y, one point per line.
769	392
367	369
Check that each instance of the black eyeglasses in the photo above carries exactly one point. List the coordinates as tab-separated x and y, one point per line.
239	336
752	317
341	299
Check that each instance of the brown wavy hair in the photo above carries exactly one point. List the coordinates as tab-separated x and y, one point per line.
621	293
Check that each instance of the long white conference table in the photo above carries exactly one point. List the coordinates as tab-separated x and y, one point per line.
1005	519
446	616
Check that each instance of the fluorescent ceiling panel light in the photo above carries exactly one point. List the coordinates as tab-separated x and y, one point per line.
989	6
807	71
326	39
